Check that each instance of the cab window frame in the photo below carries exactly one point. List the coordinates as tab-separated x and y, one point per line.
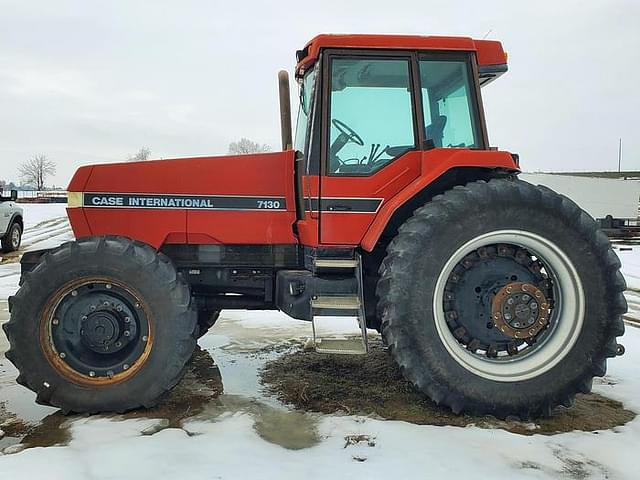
323	94
330	55
475	99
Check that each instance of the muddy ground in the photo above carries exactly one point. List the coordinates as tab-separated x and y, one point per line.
373	385
265	371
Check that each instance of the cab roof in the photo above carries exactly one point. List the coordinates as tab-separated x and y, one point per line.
488	52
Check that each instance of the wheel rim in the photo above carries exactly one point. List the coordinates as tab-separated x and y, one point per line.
541	343
96	331
15	237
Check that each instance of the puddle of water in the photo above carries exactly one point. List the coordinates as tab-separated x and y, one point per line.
208	392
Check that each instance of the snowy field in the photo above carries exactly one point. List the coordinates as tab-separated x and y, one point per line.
244	434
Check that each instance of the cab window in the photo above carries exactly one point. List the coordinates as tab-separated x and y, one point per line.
302	124
371	117
449	115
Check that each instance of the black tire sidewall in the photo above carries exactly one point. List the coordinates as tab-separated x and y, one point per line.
446	234
168	318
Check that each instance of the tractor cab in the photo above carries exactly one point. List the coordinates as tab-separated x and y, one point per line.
377	113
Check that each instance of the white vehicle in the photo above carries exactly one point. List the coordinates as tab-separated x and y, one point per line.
599	197
11	223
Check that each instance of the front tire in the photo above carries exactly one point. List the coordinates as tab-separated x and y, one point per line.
501	298
206	320
101	324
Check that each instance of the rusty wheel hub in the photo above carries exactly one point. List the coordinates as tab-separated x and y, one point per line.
96	331
520	310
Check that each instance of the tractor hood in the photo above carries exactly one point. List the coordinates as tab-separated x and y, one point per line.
187	200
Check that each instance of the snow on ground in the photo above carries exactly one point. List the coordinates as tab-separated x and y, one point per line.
9	277
46	225
630	266
228	444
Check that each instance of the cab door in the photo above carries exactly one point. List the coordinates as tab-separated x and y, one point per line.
370	140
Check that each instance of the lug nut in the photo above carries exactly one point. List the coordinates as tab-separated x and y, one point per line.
125	366
145	338
127	319
55	321
105	304
137	305
108	286
92	308
118	344
126	333
84	318
92	373
74	293
110	373
63	355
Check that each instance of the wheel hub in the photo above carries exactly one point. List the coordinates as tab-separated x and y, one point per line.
520	310
496	301
98	331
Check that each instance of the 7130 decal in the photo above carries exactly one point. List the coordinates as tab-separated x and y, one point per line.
188	202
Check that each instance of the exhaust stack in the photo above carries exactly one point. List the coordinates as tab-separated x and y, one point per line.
285	110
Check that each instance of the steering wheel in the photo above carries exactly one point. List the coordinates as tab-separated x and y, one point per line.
352	136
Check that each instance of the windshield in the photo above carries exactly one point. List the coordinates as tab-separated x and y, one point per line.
306	91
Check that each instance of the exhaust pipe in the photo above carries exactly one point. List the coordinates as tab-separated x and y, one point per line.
285	110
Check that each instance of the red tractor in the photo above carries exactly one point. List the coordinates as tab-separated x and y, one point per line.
493	295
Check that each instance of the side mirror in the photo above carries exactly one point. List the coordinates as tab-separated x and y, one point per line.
14	195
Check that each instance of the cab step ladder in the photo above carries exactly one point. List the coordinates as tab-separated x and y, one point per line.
350	305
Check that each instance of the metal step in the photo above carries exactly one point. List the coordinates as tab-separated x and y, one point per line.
335	263
336	303
341	346
323	307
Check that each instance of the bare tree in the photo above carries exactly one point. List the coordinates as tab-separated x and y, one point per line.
143	154
244	146
35	171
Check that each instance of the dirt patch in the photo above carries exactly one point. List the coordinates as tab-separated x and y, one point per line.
18	434
201	383
11	257
374	385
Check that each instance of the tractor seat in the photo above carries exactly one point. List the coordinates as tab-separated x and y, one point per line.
435	131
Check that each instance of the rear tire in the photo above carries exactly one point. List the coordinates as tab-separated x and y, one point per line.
11	241
437	352
101	324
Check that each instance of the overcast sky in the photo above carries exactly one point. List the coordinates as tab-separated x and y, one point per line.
86	81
